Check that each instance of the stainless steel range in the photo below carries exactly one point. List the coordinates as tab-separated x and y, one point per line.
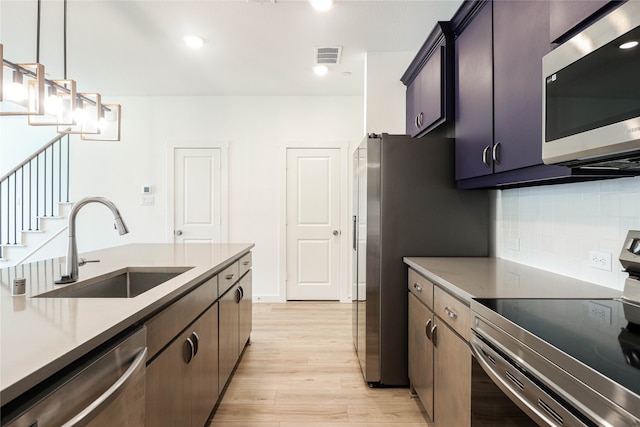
567	362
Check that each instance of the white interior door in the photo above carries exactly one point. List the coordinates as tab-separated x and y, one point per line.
313	224
197	195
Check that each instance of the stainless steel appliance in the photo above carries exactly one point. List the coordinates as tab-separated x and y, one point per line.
105	388
567	361
405	204
591	90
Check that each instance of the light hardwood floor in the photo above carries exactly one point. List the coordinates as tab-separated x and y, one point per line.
301	370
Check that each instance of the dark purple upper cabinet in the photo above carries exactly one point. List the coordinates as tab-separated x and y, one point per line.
567	17
429	81
520	41
474	90
499	87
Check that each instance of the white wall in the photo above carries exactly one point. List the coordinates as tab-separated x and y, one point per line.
385	94
256	130
556	226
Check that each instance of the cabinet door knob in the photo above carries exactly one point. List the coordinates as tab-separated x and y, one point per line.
427	329
178	232
238	295
336	232
485	156
417	287
496	153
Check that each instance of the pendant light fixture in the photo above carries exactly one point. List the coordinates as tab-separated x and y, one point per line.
22	90
25	91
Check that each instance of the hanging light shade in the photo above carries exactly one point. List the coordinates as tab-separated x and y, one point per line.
22	89
109	125
86	115
59	104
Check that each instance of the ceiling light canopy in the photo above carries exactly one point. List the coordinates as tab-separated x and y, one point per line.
193	41
321	5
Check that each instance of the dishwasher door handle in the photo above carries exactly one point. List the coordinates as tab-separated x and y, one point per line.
112	392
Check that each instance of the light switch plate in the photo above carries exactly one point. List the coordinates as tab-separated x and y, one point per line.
147	201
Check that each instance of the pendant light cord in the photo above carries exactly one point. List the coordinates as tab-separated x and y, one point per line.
64	37
38	33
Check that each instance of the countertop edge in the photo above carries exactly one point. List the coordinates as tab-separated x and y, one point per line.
454	290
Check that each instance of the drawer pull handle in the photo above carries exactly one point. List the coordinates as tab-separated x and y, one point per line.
452	314
229	276
417	287
246	262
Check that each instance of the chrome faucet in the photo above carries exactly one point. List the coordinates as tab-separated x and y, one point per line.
72	248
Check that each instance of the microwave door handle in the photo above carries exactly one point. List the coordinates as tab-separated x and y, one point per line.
112	392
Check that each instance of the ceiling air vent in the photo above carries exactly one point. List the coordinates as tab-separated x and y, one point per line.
328	55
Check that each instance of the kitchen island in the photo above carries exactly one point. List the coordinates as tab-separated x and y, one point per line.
39	336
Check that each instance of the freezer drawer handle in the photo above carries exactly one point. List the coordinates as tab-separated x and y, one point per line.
112	392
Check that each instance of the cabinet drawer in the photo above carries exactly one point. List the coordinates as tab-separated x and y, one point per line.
453	311
245	264
228	277
164	326
421	288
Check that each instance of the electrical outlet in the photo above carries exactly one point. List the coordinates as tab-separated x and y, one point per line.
600	260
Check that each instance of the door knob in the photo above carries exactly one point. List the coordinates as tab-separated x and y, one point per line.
336	232
178	232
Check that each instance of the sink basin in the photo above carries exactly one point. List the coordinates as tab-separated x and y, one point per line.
124	283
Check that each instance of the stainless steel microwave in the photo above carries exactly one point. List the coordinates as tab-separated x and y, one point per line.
591	95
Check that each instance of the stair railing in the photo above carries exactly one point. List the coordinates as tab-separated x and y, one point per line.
31	189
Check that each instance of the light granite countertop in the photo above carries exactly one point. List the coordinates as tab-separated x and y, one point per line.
39	336
468	278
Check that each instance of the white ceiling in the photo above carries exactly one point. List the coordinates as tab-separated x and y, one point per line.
135	47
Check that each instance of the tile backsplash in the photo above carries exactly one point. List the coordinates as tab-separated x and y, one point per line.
554	227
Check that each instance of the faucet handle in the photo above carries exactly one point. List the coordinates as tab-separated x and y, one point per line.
83	261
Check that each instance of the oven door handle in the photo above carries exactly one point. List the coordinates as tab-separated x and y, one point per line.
540	406
112	392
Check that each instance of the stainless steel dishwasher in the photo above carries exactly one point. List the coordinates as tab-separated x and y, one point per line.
104	388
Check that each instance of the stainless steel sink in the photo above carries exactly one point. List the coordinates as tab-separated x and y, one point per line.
124	283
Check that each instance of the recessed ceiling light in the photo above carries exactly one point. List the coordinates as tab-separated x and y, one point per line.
320	70
194	42
629	45
321	5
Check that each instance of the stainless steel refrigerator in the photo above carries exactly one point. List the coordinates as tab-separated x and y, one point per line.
405	204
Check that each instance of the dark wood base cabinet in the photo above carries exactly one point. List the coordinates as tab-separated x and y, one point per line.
452	387
193	346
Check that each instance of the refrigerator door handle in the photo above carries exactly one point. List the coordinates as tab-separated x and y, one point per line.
355	222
